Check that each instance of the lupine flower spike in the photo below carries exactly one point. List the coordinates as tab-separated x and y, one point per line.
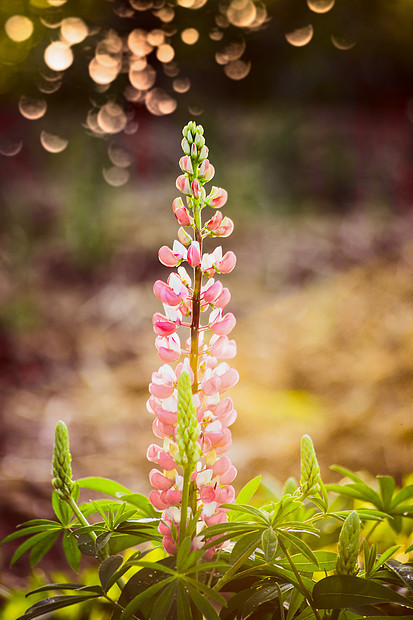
62	470
348	546
191	414
310	471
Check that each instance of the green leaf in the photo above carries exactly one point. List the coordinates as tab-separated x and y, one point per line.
344	591
141	502
183	609
62	510
261	515
326	561
269	543
387	486
71	550
153	566
296	601
300	545
249	543
66	586
86	545
104	485
42	547
32	530
107	568
26	545
209	592
248	490
265	594
163	603
183	553
202	604
404	571
46	606
142	597
357	491
347	473
405	493
103	540
384	557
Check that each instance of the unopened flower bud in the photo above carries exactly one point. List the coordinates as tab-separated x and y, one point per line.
199	140
185	164
187	427
62	471
310	471
203	154
194	151
184	237
348	546
186	146
196	188
200	130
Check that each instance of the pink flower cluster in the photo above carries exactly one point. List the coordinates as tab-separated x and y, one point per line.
186	301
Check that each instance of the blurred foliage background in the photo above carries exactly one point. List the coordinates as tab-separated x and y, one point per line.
308	111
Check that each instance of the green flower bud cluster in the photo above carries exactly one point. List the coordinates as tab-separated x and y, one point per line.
187	427
193	142
310	471
62	471
348	546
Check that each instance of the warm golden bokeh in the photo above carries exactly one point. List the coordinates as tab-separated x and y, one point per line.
58	56
300	36
19	28
52	143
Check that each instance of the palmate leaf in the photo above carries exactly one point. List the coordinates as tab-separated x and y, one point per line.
104	485
141	503
202	603
66	586
183	609
163	603
347	591
404	571
326	561
31	542
299	544
34	529
142	597
209	592
71	550
244	496
357	491
62	510
387	486
402	495
347	473
42	547
107	569
266	593
249	543
46	606
384	557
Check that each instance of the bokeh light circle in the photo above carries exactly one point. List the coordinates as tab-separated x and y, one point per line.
52	143
300	36
74	30
190	36
19	28
31	108
58	56
320	6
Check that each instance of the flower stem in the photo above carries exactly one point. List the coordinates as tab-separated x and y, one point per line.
184	504
196	301
297	574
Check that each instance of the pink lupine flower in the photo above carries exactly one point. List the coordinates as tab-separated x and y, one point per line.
217	197
169	347
215	221
204	358
166	294
181	212
223	299
182	183
159	481
156	455
183	236
226	228
185	164
213	291
227	263
222	347
196	189
221	325
206	171
194	254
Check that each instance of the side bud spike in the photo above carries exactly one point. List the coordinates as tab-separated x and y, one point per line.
62	471
187	428
310	471
348	546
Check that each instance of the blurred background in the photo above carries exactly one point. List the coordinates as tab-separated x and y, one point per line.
308	112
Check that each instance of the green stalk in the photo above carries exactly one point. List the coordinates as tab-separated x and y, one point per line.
196	300
104	552
184	504
231	571
297	574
